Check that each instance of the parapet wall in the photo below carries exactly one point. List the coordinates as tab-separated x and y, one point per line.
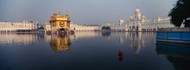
173	29
178	35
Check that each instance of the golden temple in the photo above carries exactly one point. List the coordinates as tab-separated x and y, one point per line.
59	22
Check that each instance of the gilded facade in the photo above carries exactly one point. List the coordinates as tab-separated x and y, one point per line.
59	22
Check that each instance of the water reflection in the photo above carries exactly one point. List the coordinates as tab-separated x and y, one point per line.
78	35
25	39
92	50
177	54
136	40
106	35
60	43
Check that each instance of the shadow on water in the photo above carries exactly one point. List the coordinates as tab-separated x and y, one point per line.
177	54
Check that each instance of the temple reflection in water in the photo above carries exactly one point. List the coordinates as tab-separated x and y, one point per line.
136	40
60	43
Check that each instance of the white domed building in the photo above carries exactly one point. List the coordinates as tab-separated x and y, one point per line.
139	22
135	22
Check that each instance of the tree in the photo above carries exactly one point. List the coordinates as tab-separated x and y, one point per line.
106	28
41	27
180	13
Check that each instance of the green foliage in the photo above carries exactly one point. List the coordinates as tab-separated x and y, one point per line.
41	27
180	12
106	28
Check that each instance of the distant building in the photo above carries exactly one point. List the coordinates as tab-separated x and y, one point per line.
24	26
139	22
135	21
153	25
118	26
121	21
76	27
47	27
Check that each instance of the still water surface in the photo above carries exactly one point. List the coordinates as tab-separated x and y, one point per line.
91	51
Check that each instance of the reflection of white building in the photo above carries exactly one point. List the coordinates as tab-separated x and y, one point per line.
18	38
136	40
17	26
139	22
86	35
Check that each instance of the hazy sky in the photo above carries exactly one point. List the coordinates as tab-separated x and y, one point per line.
82	11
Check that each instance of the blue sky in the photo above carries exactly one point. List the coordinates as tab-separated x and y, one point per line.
82	11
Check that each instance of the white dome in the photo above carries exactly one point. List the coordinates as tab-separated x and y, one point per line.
131	17
137	10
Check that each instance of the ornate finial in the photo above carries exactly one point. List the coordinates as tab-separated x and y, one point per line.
54	13
66	14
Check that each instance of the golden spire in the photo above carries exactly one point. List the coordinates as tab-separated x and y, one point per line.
67	15
54	13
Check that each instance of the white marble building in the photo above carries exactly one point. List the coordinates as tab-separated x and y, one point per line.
154	24
47	27
135	22
76	27
118	26
139	22
18	26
